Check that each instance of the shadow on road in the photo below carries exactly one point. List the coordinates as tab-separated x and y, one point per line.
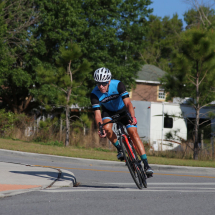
42	174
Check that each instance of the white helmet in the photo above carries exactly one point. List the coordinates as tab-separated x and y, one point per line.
102	75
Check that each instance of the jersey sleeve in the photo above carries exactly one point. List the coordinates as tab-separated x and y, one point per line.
122	90
95	102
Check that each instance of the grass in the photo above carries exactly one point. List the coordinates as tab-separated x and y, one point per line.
56	148
43	148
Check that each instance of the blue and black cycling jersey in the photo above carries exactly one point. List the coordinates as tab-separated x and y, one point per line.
111	100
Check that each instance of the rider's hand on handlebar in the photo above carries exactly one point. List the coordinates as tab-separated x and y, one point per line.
100	135
134	121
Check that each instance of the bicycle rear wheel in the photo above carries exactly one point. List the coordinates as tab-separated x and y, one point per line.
134	165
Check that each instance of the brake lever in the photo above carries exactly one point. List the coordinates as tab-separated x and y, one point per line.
101	129
129	117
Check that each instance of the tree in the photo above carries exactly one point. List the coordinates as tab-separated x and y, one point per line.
201	14
17	17
68	79
161	40
16	41
193	73
109	33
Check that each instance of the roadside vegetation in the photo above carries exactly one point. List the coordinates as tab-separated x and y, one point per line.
48	135
57	148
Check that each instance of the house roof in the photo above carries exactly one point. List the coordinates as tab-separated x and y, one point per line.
150	73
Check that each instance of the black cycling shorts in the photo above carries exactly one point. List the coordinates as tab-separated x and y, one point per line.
106	114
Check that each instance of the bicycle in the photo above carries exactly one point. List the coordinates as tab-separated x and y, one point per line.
131	157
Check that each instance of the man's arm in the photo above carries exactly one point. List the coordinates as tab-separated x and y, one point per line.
97	112
129	106
98	117
96	107
130	109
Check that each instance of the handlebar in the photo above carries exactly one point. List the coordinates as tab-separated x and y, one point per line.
115	119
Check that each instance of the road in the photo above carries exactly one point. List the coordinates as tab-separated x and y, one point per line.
107	188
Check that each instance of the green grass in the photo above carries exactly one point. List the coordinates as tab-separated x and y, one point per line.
52	143
57	148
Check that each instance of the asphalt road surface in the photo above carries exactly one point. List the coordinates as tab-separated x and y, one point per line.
107	188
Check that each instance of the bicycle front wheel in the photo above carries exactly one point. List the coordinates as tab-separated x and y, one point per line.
133	163
142	172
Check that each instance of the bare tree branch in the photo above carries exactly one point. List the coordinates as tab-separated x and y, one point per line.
59	88
203	77
18	15
204	122
204	105
199	8
191	80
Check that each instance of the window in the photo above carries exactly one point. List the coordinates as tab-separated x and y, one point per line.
161	93
168	122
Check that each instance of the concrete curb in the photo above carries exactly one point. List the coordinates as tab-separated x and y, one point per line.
92	162
57	158
64	179
17	192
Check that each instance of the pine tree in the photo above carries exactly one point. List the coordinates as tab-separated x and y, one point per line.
200	15
193	73
68	79
162	39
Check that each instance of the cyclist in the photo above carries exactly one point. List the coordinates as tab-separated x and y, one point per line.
113	98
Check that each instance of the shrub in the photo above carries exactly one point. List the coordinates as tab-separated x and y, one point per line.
6	120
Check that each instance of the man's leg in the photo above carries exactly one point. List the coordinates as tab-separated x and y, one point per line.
140	148
113	138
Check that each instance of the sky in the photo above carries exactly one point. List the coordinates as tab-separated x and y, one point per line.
169	7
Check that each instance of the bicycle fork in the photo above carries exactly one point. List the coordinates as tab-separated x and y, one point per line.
130	153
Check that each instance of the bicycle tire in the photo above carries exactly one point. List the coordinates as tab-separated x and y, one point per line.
132	163
143	174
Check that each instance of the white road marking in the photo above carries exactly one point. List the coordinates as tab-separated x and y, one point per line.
125	190
169	187
163	183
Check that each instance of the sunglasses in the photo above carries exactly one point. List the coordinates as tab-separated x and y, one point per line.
102	83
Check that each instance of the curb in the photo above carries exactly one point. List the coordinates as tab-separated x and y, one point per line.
17	192
92	162
58	158
59	181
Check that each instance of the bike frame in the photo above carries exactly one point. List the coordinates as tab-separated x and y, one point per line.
132	156
134	164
